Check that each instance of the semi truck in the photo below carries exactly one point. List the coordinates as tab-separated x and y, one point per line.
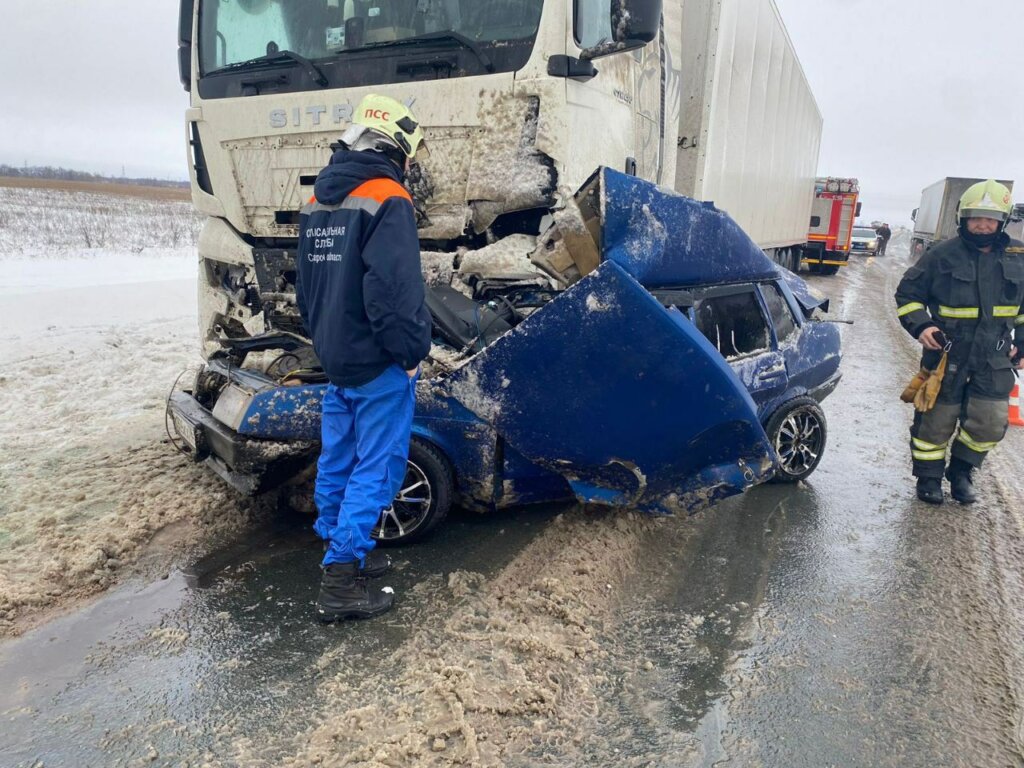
935	217
833	214
520	100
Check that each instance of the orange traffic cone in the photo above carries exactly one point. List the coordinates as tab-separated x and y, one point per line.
1015	418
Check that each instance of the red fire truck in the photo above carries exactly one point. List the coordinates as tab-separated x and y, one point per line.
832	216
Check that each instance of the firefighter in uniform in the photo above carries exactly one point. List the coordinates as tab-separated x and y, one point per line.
964	296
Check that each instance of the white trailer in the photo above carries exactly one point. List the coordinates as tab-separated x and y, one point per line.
520	99
935	217
749	128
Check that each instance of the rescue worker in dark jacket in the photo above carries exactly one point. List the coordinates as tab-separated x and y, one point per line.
884	235
360	292
965	295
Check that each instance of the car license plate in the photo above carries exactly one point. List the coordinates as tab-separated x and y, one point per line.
186	431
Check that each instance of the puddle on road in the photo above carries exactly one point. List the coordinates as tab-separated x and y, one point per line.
220	650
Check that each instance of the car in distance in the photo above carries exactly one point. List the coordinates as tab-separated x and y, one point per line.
865	241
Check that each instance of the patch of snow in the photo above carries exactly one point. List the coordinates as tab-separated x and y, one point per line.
468	391
594	304
89	268
508	257
437	266
94	339
647	241
51	223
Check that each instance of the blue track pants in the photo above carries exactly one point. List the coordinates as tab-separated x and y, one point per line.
365	445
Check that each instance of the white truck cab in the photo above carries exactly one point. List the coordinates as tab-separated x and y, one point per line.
520	100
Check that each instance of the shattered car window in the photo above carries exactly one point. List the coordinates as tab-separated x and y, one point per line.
733	323
782	316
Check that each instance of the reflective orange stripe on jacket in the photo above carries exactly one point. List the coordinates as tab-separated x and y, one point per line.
377	190
380	190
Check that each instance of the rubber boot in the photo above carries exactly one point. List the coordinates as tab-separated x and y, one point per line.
929	489
344	595
375	564
960	486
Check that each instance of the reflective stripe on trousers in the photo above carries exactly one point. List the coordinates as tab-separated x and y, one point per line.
924	451
977	400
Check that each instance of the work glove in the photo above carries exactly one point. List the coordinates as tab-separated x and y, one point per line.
928	393
915	385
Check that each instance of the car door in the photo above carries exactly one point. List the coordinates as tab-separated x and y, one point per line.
811	349
621	396
734	320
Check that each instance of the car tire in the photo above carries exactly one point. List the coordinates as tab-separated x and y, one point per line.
798	433
412	514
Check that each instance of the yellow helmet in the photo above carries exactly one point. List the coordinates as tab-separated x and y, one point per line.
986	199
391	118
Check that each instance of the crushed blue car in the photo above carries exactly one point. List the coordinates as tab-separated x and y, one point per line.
645	353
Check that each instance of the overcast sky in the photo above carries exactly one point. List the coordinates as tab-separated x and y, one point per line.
93	86
911	90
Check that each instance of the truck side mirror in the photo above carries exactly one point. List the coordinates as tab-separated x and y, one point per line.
634	24
858	209
185	43
913	214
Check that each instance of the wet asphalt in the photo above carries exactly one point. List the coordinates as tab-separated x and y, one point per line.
835	623
171	672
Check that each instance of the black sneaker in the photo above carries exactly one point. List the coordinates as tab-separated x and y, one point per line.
929	490
344	594
375	564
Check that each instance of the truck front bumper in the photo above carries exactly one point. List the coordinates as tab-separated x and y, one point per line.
828	258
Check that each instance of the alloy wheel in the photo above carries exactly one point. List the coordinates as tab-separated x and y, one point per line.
410	507
799	441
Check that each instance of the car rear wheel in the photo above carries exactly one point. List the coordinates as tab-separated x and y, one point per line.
798	434
423	500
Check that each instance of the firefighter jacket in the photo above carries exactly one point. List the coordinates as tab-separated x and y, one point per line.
973	297
359	286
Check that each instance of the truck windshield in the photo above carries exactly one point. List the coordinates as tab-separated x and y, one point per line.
236	32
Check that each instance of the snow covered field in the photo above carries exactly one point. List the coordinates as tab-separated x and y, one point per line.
51	223
94	338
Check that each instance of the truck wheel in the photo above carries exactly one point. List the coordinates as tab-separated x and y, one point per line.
827	269
797	431
794	260
424	499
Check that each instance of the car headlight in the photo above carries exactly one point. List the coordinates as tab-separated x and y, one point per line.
232	406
